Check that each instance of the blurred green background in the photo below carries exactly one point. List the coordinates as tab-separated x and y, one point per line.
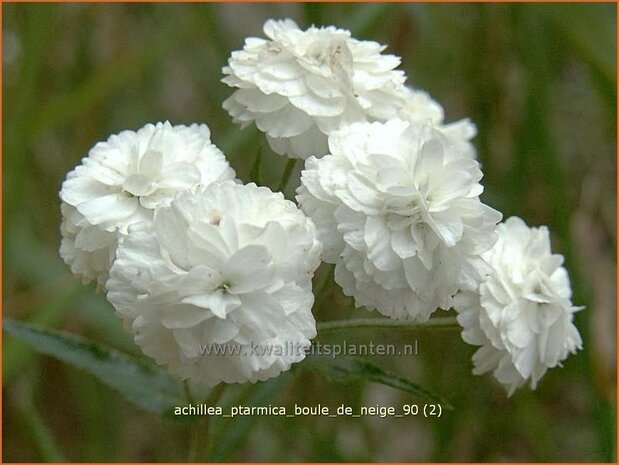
539	80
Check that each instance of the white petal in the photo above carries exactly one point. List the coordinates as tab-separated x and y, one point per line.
185	316
151	163
109	209
286	122
179	176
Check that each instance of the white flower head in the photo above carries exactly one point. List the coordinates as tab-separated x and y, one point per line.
88	250
123	180
227	268
298	86
400	216
418	107
522	314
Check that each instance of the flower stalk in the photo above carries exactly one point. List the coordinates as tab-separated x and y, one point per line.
200	445
288	169
358	323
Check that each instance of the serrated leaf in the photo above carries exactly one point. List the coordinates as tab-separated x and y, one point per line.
346	368
140	383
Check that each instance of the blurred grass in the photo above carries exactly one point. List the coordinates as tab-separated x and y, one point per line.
539	80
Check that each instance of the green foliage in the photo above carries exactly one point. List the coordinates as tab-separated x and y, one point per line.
344	369
147	386
539	81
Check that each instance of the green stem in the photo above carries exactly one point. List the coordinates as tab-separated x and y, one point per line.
434	323
327	280
254	172
187	392
325	286
288	169
199	445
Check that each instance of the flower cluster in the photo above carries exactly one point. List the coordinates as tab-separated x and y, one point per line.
299	86
399	213
122	181
228	265
521	316
202	268
418	107
194	258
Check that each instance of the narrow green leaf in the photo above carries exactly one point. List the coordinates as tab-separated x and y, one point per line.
145	385
41	436
16	354
346	369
